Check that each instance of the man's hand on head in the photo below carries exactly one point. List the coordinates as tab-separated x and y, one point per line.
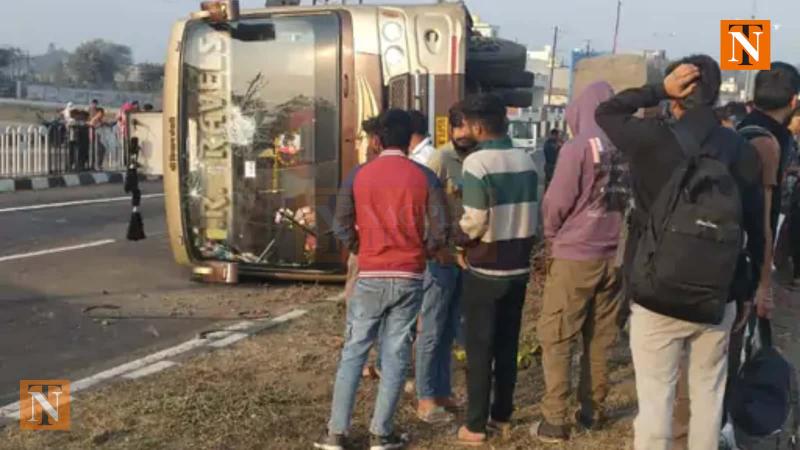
682	81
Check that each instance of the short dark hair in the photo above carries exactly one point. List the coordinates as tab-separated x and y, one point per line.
395	129
94	100
707	91
489	110
735	111
456	115
419	123
371	126
775	88
555	132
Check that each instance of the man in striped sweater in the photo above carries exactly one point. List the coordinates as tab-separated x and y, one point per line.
497	235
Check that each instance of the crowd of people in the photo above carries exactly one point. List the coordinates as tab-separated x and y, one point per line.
86	147
661	223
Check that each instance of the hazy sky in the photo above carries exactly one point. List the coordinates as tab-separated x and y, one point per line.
679	26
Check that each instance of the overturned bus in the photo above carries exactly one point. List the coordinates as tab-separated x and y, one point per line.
262	114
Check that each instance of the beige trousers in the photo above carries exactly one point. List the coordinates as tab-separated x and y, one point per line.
657	345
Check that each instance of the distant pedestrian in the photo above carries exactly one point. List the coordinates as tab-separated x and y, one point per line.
731	114
96	117
421	148
551	148
583	217
497	234
392	213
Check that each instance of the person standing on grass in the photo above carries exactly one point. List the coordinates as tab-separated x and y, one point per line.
440	316
583	217
497	235
369	144
673	321
392	213
794	200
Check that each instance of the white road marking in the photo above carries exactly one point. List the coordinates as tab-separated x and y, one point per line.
73	203
159	361
232	338
149	370
57	250
137	364
291	315
240	326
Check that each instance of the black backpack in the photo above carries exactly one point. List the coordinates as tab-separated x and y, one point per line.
764	393
687	254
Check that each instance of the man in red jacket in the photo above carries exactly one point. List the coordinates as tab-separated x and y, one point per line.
392	213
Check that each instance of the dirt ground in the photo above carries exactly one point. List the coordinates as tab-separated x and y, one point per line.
273	392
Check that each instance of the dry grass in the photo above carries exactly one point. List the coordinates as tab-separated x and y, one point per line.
273	392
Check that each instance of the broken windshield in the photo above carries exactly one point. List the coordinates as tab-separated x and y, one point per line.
261	133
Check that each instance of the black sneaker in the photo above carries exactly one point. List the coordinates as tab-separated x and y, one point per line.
330	442
391	442
550	434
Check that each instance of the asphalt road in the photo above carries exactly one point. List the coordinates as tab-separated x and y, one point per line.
44	331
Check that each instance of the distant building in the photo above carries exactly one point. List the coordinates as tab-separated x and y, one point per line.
483	28
577	55
540	62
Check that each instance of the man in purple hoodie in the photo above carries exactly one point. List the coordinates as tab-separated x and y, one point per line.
583	216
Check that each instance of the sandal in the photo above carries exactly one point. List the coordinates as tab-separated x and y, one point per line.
466	438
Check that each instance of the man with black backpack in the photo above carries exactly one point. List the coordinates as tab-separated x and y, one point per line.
697	194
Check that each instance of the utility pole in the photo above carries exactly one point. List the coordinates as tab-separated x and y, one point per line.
552	64
616	27
749	80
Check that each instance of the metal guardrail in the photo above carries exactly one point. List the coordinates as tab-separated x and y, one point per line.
33	150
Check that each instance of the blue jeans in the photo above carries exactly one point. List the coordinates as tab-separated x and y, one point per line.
440	318
382	309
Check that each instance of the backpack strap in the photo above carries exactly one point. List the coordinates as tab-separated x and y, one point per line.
751	132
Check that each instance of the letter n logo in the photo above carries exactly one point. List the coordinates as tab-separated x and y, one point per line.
44	405
745	45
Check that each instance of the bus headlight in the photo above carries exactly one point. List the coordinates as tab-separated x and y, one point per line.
392	31
394	56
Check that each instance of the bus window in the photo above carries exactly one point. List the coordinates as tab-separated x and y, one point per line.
260	111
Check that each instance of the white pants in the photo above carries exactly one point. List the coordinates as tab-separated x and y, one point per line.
657	346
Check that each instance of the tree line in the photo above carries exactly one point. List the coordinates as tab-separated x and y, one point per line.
95	64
